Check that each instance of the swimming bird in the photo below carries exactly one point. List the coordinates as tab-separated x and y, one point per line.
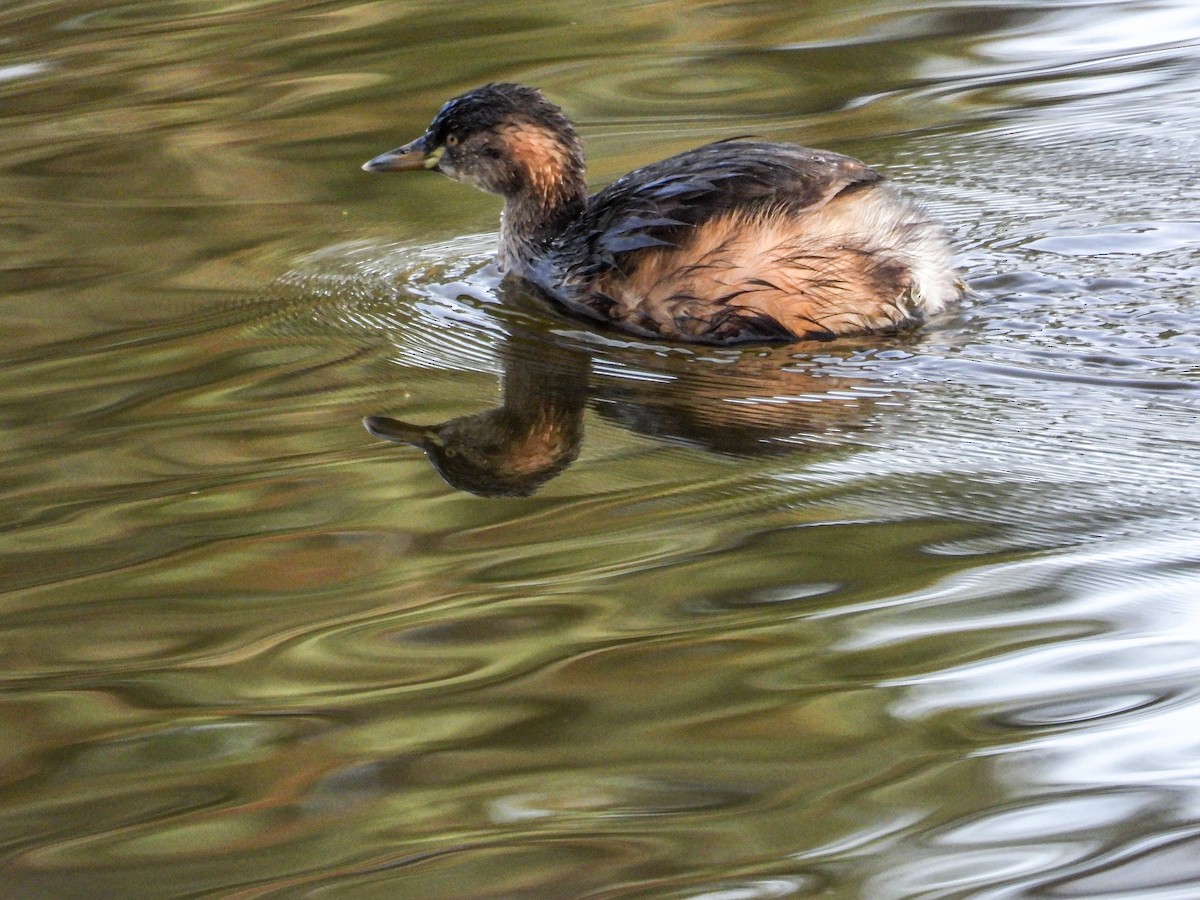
734	241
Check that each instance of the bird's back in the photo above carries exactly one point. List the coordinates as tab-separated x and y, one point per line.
743	240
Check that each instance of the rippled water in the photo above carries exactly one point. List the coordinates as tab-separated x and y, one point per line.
907	617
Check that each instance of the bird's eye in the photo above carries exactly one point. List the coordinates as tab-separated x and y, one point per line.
452	140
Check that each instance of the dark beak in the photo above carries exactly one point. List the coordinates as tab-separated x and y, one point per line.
397	431
412	157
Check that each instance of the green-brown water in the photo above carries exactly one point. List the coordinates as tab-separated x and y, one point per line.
911	617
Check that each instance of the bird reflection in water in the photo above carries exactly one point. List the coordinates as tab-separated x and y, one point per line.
749	403
512	450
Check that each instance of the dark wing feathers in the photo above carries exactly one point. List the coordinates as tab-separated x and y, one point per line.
635	232
612	244
658	205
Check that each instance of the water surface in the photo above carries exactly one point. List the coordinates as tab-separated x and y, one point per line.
907	617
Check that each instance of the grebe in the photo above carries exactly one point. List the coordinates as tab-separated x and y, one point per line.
734	241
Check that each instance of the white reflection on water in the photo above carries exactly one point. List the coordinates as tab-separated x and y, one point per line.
1097	693
22	70
1138	26
1133	238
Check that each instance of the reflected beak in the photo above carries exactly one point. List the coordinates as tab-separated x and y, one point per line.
399	432
412	157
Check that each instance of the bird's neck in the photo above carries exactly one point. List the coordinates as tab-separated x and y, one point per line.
536	214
